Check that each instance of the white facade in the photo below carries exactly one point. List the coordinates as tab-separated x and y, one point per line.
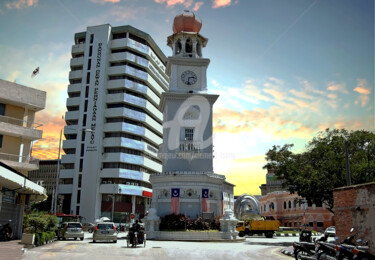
114	126
187	150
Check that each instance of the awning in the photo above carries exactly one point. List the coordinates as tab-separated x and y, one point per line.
16	181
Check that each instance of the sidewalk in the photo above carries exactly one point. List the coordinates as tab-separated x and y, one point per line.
11	250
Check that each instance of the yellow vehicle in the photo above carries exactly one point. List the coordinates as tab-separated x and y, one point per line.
266	227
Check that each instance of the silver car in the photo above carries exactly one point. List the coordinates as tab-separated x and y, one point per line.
330	232
70	230
105	231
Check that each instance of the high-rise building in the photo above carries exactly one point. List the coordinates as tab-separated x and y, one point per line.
114	125
45	175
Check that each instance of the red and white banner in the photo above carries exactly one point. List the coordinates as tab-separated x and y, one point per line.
175	201
205	201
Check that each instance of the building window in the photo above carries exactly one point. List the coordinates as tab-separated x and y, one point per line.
79	180
80	165
84	120
78	196
1	141
189	134
284	204
118	36
87	92
90	51
89	64
290	204
91	38
2	109
77	210
88	78
82	149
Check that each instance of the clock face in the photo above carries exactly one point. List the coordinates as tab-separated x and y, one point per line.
189	77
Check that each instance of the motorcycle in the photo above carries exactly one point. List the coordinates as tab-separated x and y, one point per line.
6	232
362	253
304	250
344	249
325	251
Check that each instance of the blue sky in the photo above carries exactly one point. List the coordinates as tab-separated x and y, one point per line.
285	70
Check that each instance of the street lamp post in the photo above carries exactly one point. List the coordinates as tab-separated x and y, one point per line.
57	177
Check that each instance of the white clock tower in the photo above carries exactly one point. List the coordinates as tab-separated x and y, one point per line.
187	149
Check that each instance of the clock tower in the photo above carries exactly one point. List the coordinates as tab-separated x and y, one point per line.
187	151
187	68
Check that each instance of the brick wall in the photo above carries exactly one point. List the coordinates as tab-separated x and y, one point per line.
354	206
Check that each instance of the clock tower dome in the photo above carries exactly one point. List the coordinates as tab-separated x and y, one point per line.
187	67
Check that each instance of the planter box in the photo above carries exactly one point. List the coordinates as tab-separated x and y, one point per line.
28	239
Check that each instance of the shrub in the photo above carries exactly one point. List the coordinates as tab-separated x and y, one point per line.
181	222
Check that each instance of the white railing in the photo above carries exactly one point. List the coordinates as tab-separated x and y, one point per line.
190	146
19	122
17	158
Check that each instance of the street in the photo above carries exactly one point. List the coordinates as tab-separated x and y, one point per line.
252	248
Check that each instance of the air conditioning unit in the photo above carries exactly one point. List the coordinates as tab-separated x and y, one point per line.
104	182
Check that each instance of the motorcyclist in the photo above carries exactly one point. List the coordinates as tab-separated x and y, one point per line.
7	231
135	228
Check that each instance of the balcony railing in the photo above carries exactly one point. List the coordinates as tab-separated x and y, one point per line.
19	122
190	146
19	159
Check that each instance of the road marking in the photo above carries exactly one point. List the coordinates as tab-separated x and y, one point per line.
277	249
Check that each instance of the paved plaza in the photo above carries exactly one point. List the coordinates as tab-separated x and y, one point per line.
252	248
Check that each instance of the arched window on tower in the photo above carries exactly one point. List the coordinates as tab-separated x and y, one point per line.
189	47
192	113
178	47
199	49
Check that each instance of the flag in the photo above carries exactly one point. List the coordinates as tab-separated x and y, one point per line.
175	200
35	72
205	202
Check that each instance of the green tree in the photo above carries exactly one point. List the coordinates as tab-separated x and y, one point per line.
314	173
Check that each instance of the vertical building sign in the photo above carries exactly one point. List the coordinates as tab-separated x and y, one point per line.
93	145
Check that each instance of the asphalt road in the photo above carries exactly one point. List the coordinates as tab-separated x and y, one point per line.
257	248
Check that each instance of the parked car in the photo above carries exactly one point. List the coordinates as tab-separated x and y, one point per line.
105	231
88	227
70	230
330	231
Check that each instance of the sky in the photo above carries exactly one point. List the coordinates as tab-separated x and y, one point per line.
284	70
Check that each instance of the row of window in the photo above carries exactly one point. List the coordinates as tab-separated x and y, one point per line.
129	151
133	122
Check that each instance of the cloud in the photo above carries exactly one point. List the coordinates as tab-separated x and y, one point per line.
333	86
332	96
221	3
362	87
364	91
301	94
197	5
48	146
276	94
105	1
170	3
20	4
